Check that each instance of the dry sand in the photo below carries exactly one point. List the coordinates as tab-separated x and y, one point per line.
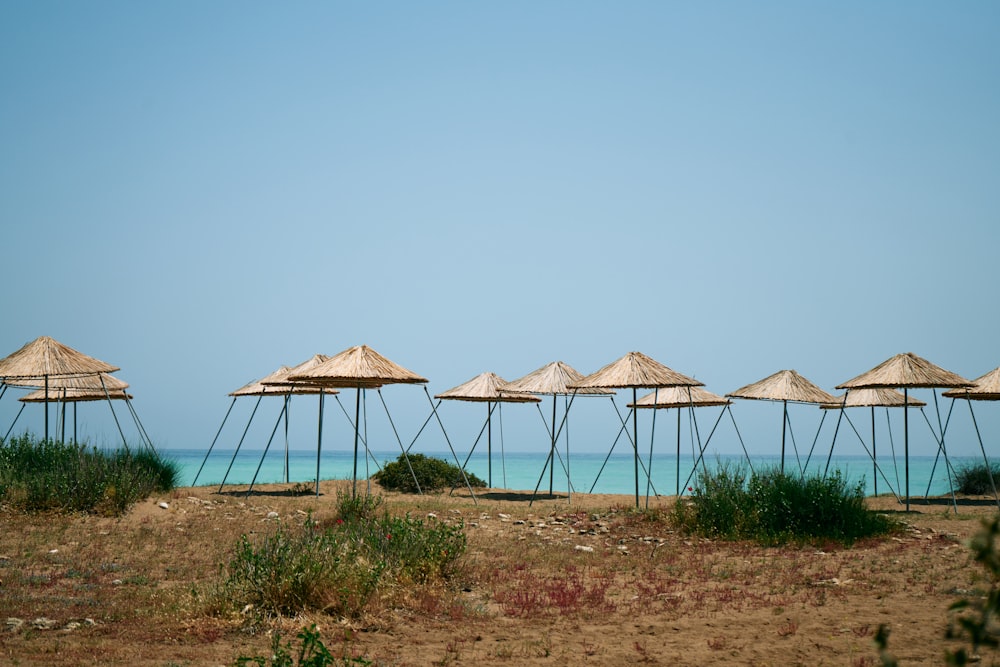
556	582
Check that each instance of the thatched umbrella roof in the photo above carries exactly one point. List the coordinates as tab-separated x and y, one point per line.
680	397
786	386
486	387
72	382
281	379
879	397
75	395
985	388
906	370
551	379
275	385
46	357
358	366
633	370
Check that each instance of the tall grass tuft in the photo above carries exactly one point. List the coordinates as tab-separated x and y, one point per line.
975	479
772	507
338	565
40	475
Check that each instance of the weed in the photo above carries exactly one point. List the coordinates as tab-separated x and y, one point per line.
977	479
311	653
337	566
772	507
41	475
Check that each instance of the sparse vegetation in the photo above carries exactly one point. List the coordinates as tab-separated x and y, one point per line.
337	565
772	507
44	475
977	479
432	474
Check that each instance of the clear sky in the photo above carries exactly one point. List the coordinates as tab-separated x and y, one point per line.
199	192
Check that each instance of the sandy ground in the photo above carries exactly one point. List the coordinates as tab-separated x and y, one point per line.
549	582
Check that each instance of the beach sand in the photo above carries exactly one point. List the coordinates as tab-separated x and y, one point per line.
553	582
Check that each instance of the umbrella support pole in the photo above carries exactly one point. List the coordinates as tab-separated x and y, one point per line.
214	440
13	423
240	444
143	435
401	448
448	440
623	429
816	439
288	405
948	467
937	453
319	433
267	447
864	446
652	439
350	421
677	470
110	405
357	426
468	456
703	447
989	470
795	447
503	455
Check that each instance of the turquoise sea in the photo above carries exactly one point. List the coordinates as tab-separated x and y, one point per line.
587	472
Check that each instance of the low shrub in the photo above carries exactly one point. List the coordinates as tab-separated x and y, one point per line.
772	507
338	565
433	474
311	653
977	479
39	475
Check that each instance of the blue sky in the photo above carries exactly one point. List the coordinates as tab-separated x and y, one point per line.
201	192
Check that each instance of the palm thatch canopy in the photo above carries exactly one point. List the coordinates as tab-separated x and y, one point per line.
486	387
985	388
75	395
872	398
680	397
275	385
785	385
97	382
633	370
906	370
281	379
46	357
358	366
553	378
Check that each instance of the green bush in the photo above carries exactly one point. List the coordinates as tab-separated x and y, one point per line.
39	475
772	507
975	479
338	565
433	474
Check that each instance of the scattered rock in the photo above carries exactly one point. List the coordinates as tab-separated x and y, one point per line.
14	624
272	515
163	505
432	515
584	548
42	623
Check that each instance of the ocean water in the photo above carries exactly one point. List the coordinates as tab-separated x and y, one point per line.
580	473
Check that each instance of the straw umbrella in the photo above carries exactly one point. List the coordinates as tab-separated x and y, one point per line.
633	371
678	397
362	368
552	379
985	388
906	371
273	384
71	390
870	398
46	358
788	387
486	388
